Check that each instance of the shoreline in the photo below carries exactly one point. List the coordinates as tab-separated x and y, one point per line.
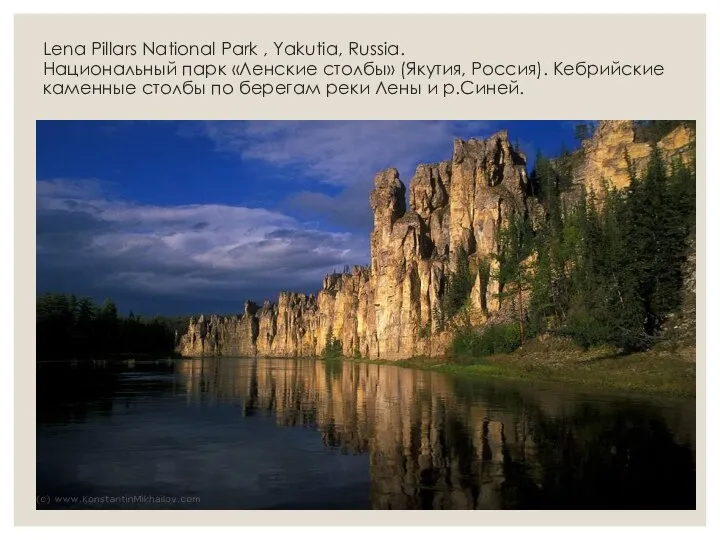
660	371
667	370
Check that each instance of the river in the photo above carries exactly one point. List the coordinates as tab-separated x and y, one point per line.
243	433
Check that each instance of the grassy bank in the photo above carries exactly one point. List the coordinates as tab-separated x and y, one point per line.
661	370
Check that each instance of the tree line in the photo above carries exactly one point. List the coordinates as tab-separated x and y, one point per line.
600	268
68	327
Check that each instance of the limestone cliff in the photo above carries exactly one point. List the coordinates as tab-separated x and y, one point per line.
389	310
603	156
381	311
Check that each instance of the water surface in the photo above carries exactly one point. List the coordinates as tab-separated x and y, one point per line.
242	433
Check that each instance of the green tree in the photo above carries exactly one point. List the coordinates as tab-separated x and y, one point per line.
515	246
657	220
555	241
459	284
333	347
72	328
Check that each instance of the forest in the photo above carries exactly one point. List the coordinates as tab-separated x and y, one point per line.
77	328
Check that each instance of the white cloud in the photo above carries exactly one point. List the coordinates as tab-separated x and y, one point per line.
342	152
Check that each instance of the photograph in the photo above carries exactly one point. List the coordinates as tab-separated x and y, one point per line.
365	314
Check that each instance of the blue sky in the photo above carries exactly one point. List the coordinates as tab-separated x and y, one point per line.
190	217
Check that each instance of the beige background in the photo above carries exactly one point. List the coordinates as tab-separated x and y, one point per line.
675	41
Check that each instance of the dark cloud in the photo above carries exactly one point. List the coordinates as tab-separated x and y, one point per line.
179	256
349	209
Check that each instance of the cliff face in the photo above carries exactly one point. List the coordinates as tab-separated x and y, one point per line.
379	312
603	156
389	310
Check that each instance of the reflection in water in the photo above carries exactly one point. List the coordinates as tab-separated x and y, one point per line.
433	441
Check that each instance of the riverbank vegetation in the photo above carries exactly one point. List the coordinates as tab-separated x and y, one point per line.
664	370
605	269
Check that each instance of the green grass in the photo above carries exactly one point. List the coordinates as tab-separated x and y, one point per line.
661	371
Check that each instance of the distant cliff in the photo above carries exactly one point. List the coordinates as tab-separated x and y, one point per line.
391	309
603	156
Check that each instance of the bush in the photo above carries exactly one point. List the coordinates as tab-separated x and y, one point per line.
495	339
623	329
586	330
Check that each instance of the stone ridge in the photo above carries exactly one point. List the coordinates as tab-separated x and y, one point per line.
379	311
389	309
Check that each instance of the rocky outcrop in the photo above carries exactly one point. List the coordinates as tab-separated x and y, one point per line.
389	309
604	155
218	336
297	325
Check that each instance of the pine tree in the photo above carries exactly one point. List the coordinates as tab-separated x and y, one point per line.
333	347
515	245
459	285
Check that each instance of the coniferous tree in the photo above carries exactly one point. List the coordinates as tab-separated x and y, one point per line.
459	285
333	346
515	246
72	328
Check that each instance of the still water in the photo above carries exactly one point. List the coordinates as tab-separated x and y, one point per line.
240	433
